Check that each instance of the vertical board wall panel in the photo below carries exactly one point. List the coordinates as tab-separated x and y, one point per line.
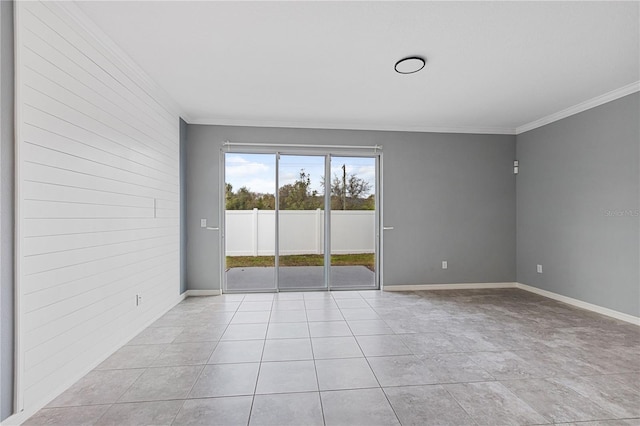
98	198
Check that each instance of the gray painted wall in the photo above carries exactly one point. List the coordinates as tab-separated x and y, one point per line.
203	263
449	196
577	206
6	209
183	206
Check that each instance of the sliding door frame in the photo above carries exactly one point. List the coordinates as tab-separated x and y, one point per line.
377	220
223	223
326	222
327	152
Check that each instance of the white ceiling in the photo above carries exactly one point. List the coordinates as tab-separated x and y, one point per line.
491	66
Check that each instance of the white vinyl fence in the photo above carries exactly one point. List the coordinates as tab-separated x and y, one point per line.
252	232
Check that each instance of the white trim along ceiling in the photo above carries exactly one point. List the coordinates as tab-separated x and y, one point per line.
491	67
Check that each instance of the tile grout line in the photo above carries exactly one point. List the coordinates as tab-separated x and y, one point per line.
101	415
525	402
264	344
315	366
436	384
562	351
205	364
460	405
202	369
371	368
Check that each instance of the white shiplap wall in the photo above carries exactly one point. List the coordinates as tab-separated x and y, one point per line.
98	199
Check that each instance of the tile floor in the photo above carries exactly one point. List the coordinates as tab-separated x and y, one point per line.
494	357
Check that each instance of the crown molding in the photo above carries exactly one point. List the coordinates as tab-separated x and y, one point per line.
582	106
74	12
578	108
103	41
351	126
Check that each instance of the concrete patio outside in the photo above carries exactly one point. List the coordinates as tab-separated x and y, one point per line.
299	278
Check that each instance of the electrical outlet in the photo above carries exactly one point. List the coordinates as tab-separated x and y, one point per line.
203	223
539	269
445	265
138	300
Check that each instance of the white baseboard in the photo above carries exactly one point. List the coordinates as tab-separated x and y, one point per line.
580	304
460	286
195	293
19	418
560	298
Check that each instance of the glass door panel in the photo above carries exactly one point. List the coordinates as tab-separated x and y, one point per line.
250	228
353	222
301	200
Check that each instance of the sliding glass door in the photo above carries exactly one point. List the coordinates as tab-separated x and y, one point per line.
353	223
249	231
300	222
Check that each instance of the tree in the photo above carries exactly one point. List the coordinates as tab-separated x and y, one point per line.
350	192
245	199
347	193
293	196
298	196
228	196
241	200
266	202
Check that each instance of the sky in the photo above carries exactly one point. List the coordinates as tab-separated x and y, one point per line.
257	171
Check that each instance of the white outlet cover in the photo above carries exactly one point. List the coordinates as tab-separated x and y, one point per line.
203	223
445	265
539	268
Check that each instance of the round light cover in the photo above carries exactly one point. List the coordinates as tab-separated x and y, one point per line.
409	65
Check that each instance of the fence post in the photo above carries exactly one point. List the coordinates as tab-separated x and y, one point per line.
255	232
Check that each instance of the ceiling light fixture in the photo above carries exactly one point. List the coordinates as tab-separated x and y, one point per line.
409	65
